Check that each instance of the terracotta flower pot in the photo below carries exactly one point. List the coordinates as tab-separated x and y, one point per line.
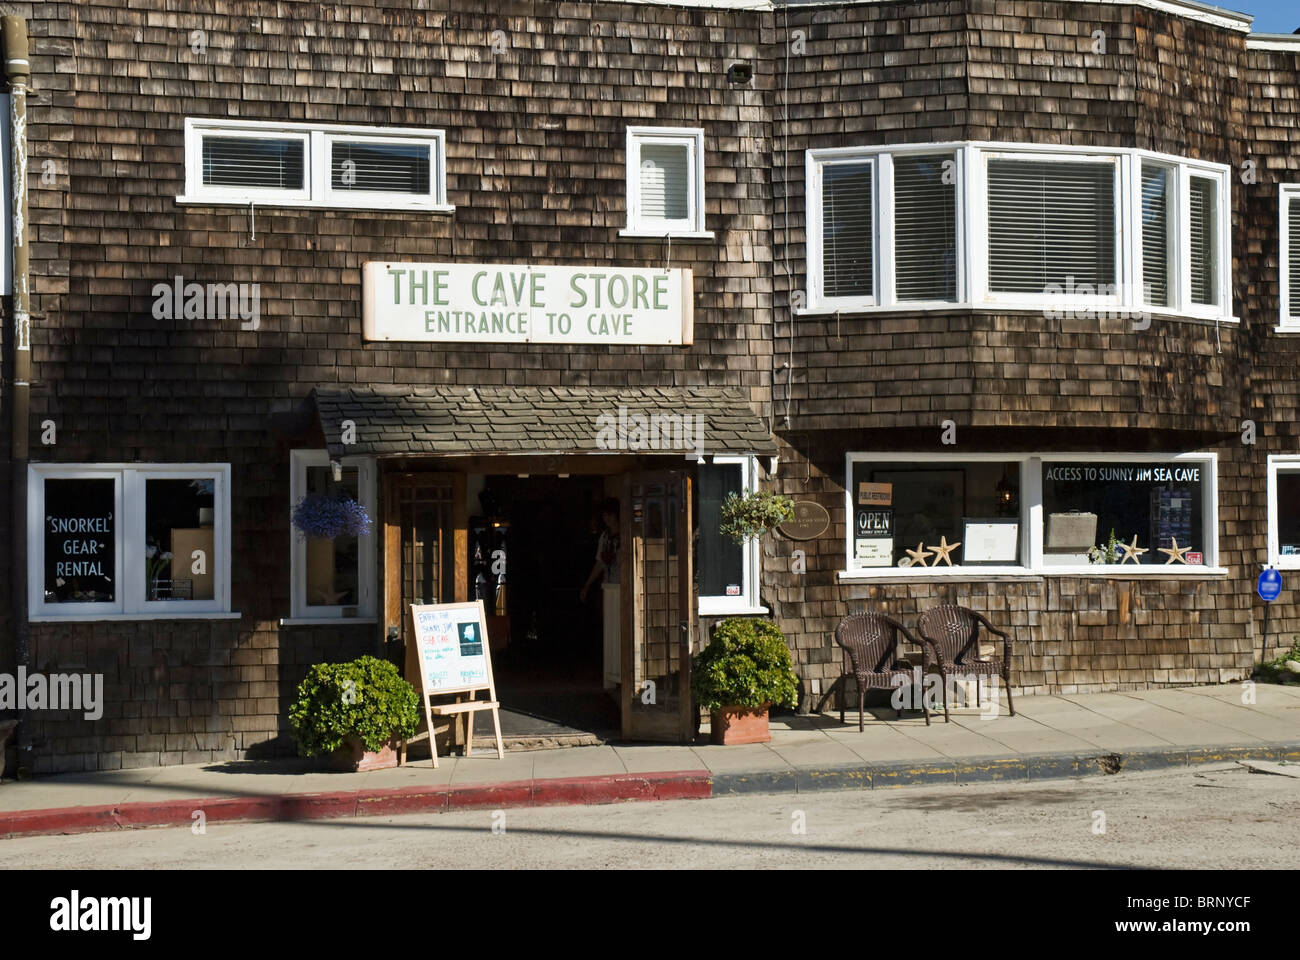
353	757
739	725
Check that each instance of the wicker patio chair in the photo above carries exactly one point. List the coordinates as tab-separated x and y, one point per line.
951	635
870	642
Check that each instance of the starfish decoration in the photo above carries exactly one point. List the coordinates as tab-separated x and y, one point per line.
1132	551
1176	553
943	549
918	555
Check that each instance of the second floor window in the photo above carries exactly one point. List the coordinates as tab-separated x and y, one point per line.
986	225
1289	261
308	165
665	181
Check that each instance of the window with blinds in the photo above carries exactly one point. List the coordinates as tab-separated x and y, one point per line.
1203	232
253	162
329	165
1291	268
665	180
1051	225
380	167
925	228
1155	234
848	231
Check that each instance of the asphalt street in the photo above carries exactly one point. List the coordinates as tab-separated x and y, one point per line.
1220	816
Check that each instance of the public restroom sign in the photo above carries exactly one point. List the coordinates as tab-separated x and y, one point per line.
518	303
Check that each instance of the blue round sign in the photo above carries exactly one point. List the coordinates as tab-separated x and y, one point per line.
1269	585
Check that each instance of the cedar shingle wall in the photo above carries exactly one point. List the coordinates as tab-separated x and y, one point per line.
535	144
535	156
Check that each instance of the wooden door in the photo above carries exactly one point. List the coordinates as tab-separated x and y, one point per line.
425	545
659	621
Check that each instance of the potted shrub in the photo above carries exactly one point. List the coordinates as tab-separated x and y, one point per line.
354	713
743	671
753	515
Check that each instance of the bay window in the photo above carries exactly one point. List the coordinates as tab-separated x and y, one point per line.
1017	226
930	514
109	540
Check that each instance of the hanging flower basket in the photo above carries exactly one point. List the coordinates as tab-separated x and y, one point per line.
329	516
753	515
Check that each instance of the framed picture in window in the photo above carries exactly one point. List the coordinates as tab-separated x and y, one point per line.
988	541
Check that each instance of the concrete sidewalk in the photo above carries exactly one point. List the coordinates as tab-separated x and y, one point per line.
1050	737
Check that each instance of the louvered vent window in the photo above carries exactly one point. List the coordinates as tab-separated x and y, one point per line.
256	162
848	267
1051	225
1292	266
665	181
1155	234
380	167
925	228
1204	229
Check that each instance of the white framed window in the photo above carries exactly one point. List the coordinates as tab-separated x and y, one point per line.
908	513
1084	230
137	540
314	165
885	228
1289	257
1284	512
665	182
728	572
332	579
913	514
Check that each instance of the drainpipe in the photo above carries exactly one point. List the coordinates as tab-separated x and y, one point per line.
18	71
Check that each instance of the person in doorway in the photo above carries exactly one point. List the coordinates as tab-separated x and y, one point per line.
606	570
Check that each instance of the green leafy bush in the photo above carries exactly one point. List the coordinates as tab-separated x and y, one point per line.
367	698
754	514
1275	671
747	664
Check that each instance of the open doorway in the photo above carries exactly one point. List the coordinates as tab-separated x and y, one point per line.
551	664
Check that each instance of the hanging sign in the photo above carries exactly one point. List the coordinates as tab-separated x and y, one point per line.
873	536
522	303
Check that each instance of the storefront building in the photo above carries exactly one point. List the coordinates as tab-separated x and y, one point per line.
985	287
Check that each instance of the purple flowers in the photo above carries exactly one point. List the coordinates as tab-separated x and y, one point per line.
328	516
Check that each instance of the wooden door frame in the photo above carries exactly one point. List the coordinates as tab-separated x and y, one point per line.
685	724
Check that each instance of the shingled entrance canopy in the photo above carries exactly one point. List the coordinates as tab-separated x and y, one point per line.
542	420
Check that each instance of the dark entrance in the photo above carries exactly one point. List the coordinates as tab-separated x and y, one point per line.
552	667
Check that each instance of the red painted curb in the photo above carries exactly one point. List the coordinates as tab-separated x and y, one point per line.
674	785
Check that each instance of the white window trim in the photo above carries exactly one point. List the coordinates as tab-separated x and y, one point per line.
1287	194
317	192
1289	463
1031	515
972	235
747	602
129	508
692	228
301	612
